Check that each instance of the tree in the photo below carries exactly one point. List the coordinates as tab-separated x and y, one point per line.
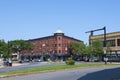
97	46
3	49
77	48
89	50
18	46
81	50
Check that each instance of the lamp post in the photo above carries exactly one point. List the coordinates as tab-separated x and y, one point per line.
43	51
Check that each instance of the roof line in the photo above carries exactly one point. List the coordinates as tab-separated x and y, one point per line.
107	33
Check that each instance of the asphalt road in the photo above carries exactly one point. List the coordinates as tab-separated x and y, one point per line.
26	66
97	73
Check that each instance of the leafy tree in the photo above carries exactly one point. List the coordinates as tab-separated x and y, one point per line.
80	49
20	45
97	46
89	50
3	49
16	46
77	48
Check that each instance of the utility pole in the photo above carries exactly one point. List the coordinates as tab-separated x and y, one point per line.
104	36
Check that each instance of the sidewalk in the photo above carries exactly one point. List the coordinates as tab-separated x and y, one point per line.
13	64
17	64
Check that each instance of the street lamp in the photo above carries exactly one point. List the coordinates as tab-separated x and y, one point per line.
43	51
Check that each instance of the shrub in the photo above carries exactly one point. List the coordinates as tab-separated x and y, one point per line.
70	62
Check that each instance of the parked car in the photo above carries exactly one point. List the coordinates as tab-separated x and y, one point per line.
94	59
37	60
26	60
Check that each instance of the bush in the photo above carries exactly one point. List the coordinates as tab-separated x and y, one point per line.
70	62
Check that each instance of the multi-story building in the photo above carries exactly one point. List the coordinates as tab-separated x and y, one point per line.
57	43
113	39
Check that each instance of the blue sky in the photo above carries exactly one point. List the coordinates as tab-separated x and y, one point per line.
29	19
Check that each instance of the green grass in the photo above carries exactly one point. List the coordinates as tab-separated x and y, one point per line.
52	68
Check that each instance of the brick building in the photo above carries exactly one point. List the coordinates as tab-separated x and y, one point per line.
57	43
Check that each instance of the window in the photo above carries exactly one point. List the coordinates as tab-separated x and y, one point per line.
59	51
59	38
55	45
112	43
59	45
118	42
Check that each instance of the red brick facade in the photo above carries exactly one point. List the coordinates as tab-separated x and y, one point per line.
58	43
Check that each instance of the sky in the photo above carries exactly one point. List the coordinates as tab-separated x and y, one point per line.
30	19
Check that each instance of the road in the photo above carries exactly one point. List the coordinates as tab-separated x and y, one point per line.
31	65
27	66
97	73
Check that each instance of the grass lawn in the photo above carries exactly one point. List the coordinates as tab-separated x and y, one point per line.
53	68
